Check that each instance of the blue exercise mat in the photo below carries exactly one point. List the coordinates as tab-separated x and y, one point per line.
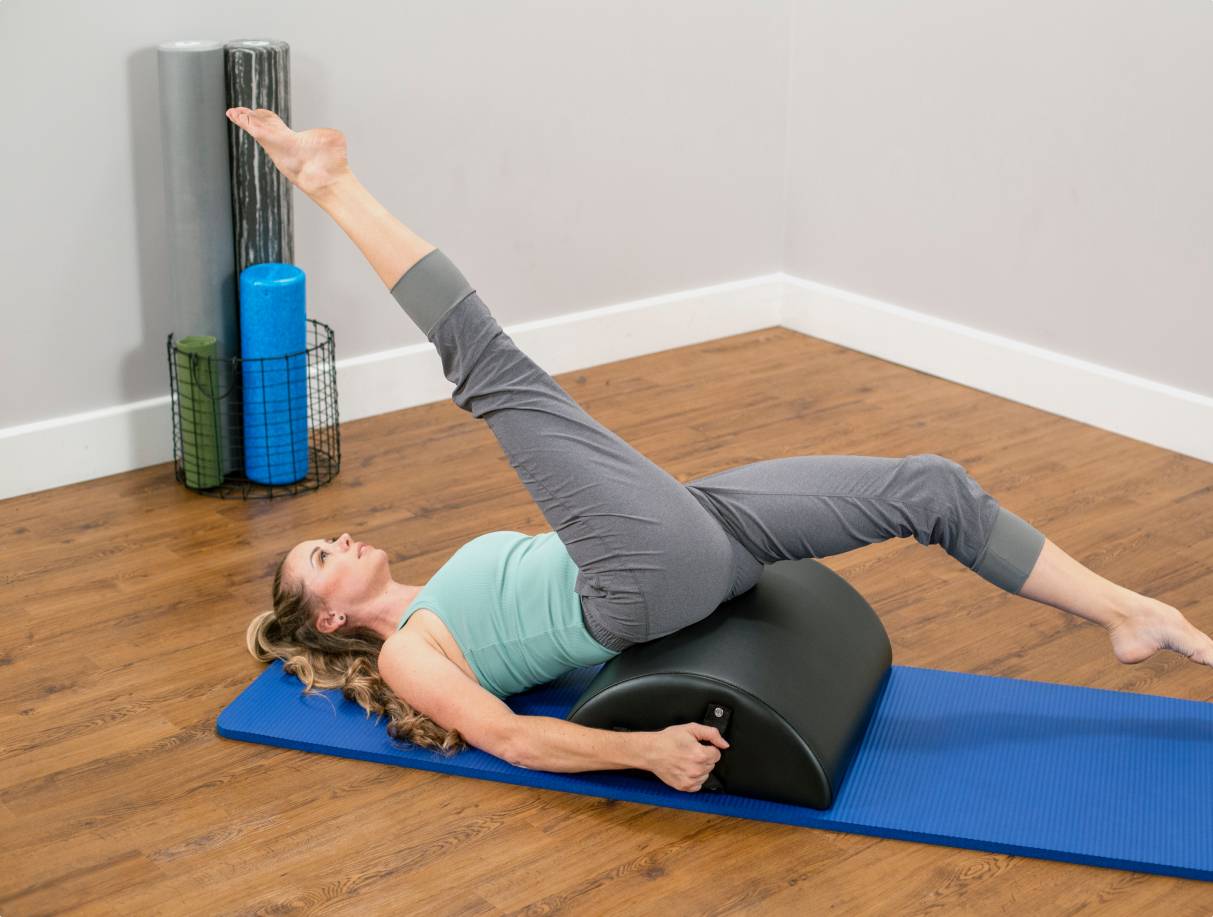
1084	775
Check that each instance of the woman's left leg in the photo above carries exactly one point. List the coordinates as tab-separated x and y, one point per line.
820	505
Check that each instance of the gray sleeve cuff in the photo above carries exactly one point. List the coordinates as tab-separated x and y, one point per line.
1011	552
431	288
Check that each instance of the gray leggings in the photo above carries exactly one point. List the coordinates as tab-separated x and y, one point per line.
655	555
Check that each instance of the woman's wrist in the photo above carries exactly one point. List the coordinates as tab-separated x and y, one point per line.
638	748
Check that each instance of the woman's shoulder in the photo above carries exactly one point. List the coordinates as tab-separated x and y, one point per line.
423	632
423	638
417	632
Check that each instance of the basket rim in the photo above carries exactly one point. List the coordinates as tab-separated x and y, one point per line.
323	342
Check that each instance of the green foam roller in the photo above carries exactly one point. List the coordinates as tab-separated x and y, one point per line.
198	392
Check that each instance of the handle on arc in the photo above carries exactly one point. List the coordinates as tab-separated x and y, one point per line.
717	715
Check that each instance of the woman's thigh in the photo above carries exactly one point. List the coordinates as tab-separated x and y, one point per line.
650	557
821	505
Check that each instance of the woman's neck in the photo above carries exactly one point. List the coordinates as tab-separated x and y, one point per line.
384	616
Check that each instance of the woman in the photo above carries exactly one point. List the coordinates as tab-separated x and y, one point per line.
633	554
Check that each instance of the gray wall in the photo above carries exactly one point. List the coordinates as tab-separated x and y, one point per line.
566	156
1040	170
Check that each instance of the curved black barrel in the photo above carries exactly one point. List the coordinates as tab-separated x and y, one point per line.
796	664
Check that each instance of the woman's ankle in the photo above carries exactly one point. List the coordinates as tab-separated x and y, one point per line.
331	192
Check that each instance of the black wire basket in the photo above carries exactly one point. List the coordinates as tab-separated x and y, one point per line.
258	427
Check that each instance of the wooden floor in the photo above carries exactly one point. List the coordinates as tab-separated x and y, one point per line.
124	602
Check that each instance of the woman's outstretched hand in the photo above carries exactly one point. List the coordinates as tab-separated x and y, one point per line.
312	160
678	758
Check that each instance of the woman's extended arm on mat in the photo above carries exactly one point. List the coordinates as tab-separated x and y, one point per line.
675	754
433	685
546	743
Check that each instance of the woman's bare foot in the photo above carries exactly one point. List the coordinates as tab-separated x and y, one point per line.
1149	625
312	159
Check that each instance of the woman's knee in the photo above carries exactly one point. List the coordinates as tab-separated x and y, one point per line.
940	474
931	461
962	508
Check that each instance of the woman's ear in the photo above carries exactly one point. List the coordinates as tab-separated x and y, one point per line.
328	620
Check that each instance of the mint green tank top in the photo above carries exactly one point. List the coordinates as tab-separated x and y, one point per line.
509	602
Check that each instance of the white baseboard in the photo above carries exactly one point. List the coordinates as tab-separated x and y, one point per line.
1132	406
82	447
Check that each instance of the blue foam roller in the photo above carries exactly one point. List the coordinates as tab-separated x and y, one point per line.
273	324
1083	775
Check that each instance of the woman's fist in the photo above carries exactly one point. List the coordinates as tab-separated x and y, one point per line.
680	759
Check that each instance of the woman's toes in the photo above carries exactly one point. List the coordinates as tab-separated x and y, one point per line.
243	118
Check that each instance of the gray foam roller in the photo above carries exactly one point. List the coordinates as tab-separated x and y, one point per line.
201	252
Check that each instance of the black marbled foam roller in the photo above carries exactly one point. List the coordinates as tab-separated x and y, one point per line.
259	76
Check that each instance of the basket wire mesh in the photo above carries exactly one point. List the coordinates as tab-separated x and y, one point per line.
256	427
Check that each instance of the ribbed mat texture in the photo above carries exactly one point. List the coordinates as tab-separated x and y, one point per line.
1084	775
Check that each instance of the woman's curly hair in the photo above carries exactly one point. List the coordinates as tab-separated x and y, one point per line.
346	661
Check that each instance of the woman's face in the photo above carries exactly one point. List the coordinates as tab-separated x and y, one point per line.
346	575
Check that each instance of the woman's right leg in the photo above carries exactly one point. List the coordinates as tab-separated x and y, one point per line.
315	162
645	549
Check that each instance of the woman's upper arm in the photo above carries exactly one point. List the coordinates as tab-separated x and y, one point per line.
431	684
